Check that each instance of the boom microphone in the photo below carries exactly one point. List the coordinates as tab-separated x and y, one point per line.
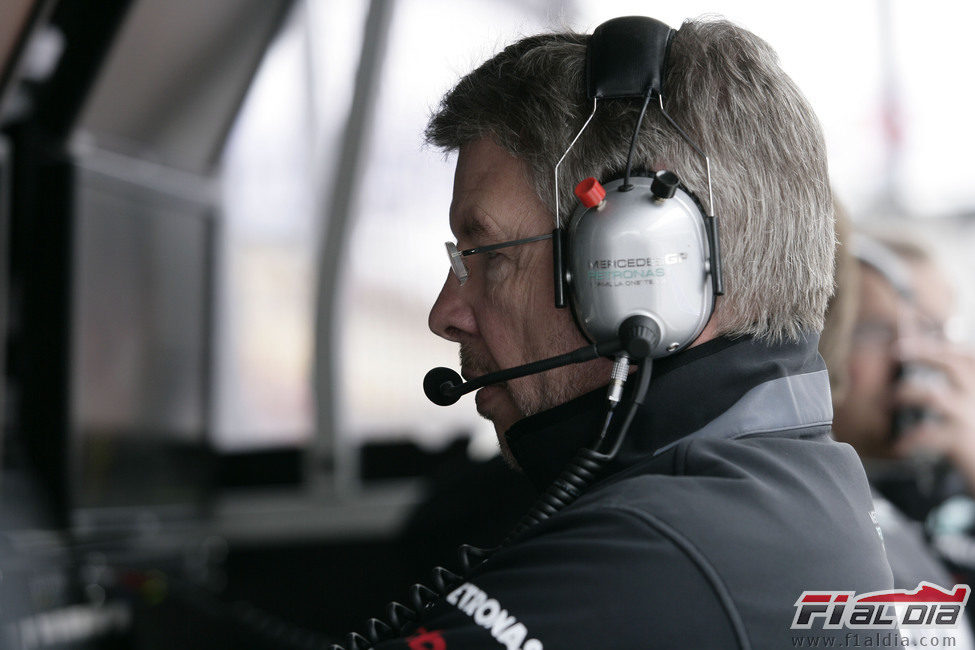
444	386
440	386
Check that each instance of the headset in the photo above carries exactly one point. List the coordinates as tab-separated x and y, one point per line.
641	266
636	245
641	248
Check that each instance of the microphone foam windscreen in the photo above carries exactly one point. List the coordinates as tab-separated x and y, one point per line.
433	386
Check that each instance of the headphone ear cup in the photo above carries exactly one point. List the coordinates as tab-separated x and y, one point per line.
641	252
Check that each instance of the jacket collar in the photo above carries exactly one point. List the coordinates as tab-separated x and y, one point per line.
722	388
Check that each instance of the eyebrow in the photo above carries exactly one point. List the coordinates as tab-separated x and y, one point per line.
475	226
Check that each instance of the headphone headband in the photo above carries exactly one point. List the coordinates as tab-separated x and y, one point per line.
626	57
640	247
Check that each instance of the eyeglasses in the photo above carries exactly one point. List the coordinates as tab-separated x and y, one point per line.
457	256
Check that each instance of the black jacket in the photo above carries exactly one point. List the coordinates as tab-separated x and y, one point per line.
727	501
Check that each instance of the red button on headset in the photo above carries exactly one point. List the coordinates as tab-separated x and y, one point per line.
590	192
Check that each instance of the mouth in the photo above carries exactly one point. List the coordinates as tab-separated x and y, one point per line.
485	397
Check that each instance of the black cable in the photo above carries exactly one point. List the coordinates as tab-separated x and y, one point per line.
606	422
636	133
272	630
643	376
577	475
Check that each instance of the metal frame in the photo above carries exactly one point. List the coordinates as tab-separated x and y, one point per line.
337	206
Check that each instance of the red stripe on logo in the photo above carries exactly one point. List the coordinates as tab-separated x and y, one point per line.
816	598
925	594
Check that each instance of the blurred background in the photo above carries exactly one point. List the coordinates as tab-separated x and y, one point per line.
221	235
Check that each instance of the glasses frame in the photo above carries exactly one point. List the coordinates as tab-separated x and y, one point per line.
456	256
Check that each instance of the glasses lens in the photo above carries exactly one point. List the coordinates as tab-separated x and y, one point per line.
456	262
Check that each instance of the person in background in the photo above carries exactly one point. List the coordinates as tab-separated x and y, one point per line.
901	391
908	402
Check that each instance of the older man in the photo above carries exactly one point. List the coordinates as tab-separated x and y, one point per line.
728	498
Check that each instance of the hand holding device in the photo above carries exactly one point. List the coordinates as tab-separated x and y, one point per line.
935	400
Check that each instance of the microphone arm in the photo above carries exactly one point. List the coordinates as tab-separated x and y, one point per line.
443	386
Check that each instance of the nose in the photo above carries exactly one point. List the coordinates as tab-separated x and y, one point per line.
452	316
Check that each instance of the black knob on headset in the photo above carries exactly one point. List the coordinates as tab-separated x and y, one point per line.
639	335
664	184
437	385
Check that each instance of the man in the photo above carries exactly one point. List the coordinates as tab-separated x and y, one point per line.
907	403
911	397
729	498
909	410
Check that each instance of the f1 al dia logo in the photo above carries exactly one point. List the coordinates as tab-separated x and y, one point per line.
927	606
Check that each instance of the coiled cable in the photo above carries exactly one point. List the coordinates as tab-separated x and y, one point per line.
575	477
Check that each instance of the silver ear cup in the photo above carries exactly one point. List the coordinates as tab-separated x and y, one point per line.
636	254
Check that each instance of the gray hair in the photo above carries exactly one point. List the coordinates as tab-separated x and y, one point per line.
724	87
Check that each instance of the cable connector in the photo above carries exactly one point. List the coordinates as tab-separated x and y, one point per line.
621	370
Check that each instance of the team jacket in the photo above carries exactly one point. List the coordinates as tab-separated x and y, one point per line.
727	501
